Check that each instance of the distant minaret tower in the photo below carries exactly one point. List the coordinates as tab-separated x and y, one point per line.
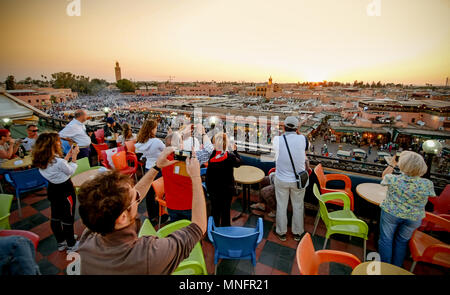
118	73
446	82
270	81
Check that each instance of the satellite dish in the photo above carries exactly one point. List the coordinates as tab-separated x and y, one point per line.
366	108
421	123
398	118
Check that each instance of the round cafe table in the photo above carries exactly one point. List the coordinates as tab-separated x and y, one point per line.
385	269
81	178
247	175
17	163
374	193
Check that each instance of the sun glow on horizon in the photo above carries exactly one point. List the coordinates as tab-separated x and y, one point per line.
197	40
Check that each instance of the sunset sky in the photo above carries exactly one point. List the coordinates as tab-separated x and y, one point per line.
229	40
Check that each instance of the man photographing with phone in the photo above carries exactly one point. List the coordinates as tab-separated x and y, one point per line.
109	207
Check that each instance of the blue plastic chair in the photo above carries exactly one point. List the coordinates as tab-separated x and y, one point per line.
235	242
65	145
25	181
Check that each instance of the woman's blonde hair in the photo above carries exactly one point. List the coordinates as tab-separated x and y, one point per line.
221	141
412	164
146	131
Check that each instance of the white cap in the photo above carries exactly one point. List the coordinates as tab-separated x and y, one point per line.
291	122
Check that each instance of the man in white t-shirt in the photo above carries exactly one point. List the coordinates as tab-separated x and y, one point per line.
285	180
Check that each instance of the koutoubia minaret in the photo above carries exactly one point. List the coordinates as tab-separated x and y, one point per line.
118	73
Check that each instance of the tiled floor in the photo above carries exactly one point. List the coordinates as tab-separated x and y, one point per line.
273	256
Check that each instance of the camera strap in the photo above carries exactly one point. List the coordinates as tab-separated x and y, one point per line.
301	183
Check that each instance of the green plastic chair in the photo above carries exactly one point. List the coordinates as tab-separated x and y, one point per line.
195	263
5	207
341	221
83	165
147	229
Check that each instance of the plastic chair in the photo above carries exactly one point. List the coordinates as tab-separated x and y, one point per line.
25	181
441	207
235	242
158	188
24	233
309	260
130	146
441	204
65	145
271	171
5	207
195	263
341	221
428	249
83	165
100	135
323	179
147	229
99	148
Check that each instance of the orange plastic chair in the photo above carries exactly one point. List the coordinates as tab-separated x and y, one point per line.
324	178
309	260
158	187
130	146
120	160
428	249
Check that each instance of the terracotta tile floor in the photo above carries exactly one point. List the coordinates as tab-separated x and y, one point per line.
273	256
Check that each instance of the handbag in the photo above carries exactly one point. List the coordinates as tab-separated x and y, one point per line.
302	177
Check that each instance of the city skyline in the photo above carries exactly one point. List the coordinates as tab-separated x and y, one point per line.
198	40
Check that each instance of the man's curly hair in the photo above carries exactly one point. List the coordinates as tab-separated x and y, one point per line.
103	199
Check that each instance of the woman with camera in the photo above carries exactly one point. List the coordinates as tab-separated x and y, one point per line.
48	157
404	207
220	178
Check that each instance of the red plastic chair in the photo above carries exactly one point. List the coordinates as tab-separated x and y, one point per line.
99	148
441	207
441	204
271	171
100	135
27	234
428	249
309	260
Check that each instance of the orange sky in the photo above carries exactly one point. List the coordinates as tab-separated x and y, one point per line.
232	40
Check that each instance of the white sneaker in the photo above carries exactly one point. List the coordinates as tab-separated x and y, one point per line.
272	214
62	246
258	206
74	247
